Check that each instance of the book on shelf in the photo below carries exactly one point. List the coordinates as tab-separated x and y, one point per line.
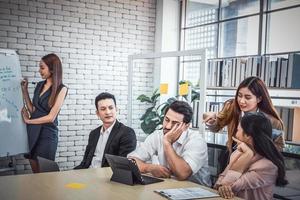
290	125
229	71
214	106
273	69
233	74
256	63
283	74
293	80
284	115
249	66
280	71
209	73
296	127
289	118
243	70
268	72
195	118
238	72
213	74
226	73
263	70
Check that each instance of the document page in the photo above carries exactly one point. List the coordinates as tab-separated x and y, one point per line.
186	193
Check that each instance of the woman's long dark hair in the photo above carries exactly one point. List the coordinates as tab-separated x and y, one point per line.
55	67
259	89
259	127
230	114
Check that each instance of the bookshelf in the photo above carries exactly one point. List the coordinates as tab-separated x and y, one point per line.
277	71
280	73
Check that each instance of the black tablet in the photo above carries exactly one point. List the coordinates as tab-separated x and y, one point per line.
126	171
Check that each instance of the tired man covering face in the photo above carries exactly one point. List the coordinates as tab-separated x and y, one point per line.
180	152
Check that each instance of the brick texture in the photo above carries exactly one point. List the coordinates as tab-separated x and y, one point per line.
93	38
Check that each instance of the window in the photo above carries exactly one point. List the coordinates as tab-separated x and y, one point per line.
201	13
198	32
232	9
230	28
277	4
239	37
283	31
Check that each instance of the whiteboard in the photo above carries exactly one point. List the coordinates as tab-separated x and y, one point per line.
13	134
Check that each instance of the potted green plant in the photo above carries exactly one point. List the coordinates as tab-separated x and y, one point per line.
152	119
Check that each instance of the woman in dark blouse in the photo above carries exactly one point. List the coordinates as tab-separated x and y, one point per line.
40	114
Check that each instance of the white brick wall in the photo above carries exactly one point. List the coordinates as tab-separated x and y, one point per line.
93	38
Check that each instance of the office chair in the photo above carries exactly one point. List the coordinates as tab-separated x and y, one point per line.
46	165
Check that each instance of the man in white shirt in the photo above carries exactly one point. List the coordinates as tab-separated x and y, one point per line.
180	152
112	137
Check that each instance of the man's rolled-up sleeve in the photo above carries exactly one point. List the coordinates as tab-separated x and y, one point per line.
195	153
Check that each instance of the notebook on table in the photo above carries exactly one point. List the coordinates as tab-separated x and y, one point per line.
186	193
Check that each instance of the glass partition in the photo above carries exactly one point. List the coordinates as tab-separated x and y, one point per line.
149	75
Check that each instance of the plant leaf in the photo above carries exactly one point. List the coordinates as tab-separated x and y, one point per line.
155	92
144	98
195	95
171	100
150	117
154	97
148	128
147	113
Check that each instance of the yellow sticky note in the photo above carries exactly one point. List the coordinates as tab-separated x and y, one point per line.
183	89
75	185
163	89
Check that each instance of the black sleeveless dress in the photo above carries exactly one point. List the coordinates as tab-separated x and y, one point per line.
42	138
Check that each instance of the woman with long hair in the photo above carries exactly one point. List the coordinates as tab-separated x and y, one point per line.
40	114
256	166
251	96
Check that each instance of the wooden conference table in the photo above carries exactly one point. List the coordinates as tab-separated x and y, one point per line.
95	184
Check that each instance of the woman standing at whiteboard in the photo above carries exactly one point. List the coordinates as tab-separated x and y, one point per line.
41	113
